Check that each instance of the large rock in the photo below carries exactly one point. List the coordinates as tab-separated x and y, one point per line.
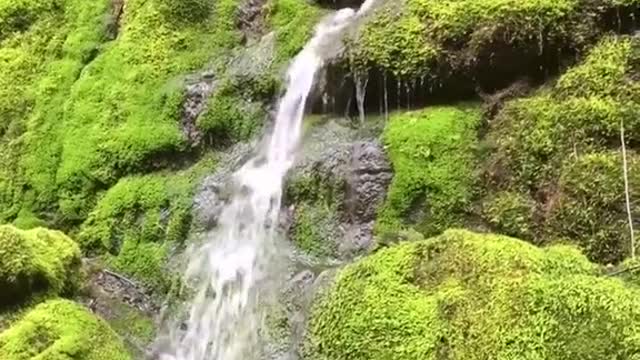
464	295
335	191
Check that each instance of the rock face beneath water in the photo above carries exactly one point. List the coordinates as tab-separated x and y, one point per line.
350	177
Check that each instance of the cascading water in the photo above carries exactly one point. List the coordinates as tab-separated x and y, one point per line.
229	270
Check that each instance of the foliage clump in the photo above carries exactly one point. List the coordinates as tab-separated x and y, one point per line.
37	260
61	329
561	149
463	295
432	155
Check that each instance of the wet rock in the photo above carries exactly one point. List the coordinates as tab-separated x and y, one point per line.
352	176
194	104
251	18
106	286
367	181
214	193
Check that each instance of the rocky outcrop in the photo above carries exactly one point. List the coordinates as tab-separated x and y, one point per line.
195	102
367	180
349	176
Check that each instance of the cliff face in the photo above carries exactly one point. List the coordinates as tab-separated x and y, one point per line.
119	121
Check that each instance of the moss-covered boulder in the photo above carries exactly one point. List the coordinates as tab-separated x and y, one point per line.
463	295
61	329
140	219
558	155
432	155
37	260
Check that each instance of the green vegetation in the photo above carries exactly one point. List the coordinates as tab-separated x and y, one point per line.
60	329
139	219
414	38
80	112
463	295
432	153
561	148
293	22
37	260
512	214
317	197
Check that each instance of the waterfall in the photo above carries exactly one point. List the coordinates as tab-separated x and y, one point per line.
228	271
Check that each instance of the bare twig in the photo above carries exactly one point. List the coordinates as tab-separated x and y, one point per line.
626	190
121	277
629	269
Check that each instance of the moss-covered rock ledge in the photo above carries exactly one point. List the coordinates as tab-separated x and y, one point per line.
463	295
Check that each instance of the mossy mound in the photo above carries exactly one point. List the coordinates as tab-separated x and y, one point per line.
140	219
81	111
37	260
432	154
61	329
559	154
411	39
463	295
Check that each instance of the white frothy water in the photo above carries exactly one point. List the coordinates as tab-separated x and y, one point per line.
228	271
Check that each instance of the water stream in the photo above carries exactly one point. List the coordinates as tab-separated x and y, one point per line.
228	272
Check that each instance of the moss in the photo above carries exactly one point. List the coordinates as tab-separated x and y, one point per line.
512	214
230	118
431	152
561	148
313	230
293	23
138	220
136	328
60	329
415	38
37	260
463	294
82	112
590	209
317	197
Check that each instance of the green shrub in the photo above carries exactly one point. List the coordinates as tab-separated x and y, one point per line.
37	260
469	296
61	329
432	154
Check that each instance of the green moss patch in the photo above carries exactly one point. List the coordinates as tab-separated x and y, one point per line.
140	219
415	38
37	260
60	329
80	111
432	154
561	149
462	294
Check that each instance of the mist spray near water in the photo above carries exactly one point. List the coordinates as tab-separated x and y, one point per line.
228	272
